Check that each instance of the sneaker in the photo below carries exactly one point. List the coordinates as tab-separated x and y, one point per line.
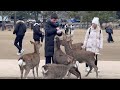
87	69
18	53
22	50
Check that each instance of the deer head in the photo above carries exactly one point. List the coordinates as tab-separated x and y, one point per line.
37	46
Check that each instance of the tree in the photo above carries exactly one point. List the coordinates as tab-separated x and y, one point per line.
3	14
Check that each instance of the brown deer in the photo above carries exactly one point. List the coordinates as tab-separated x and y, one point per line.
56	71
79	55
75	46
61	58
30	60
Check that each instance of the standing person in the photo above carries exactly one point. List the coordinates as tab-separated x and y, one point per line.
51	29
66	29
94	39
37	33
109	30
71	29
19	30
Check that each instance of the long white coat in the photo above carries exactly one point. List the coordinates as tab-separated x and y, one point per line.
94	41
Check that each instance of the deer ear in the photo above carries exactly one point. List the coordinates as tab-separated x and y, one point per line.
31	42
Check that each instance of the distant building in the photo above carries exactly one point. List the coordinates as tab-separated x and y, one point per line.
6	18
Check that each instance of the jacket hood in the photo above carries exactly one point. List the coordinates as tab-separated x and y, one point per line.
20	21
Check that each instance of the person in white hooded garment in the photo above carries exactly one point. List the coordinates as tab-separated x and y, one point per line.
93	40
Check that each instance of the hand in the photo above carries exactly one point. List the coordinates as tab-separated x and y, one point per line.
58	28
59	31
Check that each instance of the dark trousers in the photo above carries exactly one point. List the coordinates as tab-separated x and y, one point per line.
18	42
42	38
95	60
38	39
110	37
49	59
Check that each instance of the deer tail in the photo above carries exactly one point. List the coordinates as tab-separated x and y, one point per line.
21	62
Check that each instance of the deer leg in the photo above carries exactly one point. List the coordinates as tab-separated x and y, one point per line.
96	70
26	73
92	64
37	70
33	73
68	74
21	70
75	72
89	70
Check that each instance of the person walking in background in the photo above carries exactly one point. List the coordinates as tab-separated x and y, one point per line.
51	29
71	29
109	30
37	33
19	30
93	40
66	29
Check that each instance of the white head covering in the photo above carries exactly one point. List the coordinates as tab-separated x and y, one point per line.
96	20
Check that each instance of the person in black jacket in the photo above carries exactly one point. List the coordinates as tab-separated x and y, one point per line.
51	29
37	33
19	30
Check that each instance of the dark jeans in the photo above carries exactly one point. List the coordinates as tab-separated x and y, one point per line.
95	61
42	38
48	59
18	42
110	37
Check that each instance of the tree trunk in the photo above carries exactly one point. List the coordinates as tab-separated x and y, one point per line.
2	21
14	18
36	16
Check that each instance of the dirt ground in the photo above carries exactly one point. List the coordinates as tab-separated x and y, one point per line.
110	51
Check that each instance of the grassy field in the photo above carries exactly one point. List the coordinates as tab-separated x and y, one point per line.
109	52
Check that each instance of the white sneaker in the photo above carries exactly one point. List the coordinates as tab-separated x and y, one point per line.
18	53
22	50
87	69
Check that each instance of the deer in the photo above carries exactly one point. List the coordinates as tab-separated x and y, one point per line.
60	57
56	71
30	61
81	56
75	46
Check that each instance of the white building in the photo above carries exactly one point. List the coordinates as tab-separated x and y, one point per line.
5	18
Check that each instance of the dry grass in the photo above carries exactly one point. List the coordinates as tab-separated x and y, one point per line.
8	50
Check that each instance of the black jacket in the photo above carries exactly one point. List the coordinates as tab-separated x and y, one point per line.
20	28
109	30
50	32
36	32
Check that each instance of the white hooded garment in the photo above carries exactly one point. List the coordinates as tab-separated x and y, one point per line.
94	41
